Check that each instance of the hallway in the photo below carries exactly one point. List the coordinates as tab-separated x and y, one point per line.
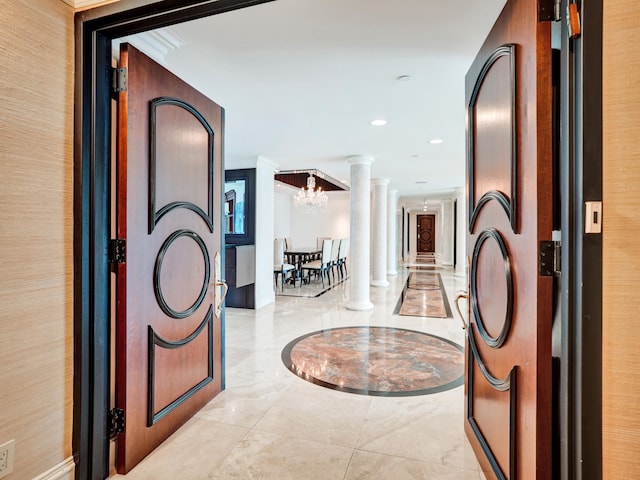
270	424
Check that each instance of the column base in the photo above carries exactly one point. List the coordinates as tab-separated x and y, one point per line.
359	305
379	283
392	273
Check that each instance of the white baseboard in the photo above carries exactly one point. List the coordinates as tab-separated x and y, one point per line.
63	471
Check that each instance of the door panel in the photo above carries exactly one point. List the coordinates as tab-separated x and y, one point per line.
169	193
509	181
426	242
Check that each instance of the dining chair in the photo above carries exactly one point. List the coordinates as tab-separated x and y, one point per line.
280	267
335	248
342	256
320	267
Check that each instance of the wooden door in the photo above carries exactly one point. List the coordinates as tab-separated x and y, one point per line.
508	402
426	241
169	203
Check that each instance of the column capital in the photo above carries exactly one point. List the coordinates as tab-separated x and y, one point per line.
380	181
360	160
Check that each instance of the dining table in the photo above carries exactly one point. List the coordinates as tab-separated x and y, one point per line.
299	255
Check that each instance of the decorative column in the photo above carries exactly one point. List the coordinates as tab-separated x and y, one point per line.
379	233
392	232
447	232
359	249
461	232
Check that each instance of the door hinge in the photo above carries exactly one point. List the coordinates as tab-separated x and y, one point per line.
119	80
547	10
549	258
116	422
117	250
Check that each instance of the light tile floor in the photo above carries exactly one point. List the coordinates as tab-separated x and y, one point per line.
269	424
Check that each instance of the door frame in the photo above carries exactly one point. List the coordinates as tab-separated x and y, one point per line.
581	180
580	402
94	30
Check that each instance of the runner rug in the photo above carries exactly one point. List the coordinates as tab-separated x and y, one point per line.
424	296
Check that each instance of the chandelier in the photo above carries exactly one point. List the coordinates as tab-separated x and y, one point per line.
311	200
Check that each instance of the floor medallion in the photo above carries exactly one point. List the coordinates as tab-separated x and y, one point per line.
377	361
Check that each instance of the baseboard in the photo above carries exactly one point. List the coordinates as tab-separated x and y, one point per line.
63	471
265	299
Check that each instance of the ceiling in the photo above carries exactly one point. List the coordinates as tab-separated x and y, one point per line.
300	81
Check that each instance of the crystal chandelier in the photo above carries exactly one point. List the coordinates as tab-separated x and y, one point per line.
309	200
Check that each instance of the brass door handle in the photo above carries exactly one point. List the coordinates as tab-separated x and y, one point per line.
217	283
223	284
465	296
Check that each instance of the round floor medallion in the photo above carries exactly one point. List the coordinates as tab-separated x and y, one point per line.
378	361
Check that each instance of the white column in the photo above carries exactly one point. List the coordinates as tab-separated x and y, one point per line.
379	233
447	232
392	232
359	232
461	232
264	293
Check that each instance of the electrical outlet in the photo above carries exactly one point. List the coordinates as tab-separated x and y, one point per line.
7	452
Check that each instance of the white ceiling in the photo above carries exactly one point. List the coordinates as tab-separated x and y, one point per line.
300	80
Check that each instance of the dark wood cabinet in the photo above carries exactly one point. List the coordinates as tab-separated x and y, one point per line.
240	261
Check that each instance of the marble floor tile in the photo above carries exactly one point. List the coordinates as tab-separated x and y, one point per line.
270	424
192	452
267	456
375	466
315	413
428	428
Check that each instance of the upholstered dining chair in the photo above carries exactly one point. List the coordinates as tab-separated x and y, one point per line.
342	256
335	248
279	266
320	267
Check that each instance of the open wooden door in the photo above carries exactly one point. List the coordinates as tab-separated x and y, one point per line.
169	296
426	241
508	379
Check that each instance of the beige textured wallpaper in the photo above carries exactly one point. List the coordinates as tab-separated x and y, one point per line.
621	231
36	244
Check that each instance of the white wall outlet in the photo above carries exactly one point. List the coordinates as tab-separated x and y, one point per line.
7	452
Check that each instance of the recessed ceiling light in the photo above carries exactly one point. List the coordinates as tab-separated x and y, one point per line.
378	122
404	78
435	141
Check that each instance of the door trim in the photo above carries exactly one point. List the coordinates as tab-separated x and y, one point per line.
581	263
94	30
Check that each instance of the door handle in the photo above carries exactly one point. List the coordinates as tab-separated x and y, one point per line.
220	301
464	296
461	296
217	284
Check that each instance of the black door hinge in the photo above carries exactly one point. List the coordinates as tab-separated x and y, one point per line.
119	80
117	250
549	258
548	10
116	422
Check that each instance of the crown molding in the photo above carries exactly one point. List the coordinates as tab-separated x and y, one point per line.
86	4
154	43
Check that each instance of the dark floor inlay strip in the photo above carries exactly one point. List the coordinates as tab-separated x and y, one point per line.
378	361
